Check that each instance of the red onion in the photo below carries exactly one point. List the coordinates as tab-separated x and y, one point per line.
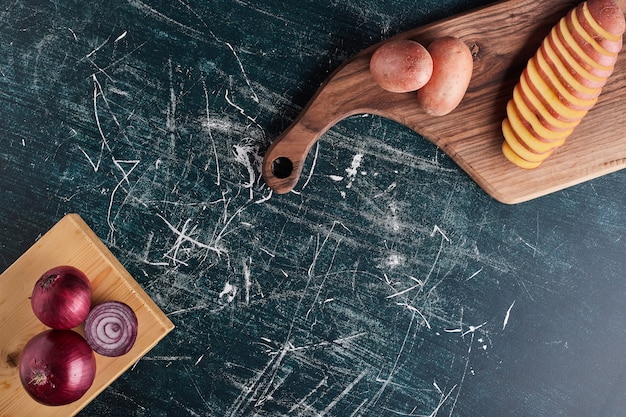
57	367
61	298
111	328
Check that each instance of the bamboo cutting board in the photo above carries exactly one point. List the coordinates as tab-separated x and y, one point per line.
69	242
502	38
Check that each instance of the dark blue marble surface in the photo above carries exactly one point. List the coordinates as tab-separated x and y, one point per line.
389	284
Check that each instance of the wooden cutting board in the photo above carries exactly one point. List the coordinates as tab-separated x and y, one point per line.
69	242
502	38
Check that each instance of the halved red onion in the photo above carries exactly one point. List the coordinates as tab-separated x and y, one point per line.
111	328
61	298
57	367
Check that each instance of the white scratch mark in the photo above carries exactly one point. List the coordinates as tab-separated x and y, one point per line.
321	286
415	310
472	329
319	247
353	169
453	330
229	292
244	154
125	173
335	342
507	316
357	410
442	400
73	34
170	119
95	166
117	91
437	387
265	198
208	125
391	187
436	229
474	274
122	36
241	110
336	178
97	91
272	255
343	393
166	358
187	310
97	48
322	383
256	390
246	277
147	252
118	164
308	179
183	237
243	71
469	351
196	34
406	290
392	372
114	63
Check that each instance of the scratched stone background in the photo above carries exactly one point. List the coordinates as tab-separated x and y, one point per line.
388	284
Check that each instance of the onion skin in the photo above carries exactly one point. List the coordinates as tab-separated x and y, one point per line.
111	328
57	367
61	298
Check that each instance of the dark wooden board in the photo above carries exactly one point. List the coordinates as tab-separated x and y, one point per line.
502	37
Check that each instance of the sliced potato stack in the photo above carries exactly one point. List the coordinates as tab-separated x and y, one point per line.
562	81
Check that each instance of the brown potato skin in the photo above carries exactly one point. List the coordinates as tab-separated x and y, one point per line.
611	46
574	90
608	15
605	59
547	104
601	76
452	71
401	66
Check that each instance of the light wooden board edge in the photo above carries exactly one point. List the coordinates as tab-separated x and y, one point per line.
113	282
133	285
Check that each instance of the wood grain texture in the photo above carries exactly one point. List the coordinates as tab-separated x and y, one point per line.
69	242
502	38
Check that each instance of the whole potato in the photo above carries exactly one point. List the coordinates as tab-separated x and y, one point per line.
452	71
401	66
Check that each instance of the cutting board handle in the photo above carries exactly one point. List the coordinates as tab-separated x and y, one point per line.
348	91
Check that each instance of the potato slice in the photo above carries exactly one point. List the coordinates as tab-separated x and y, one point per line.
520	148
530	129
562	82
605	17
516	159
523	93
573	62
555	62
600	47
580	52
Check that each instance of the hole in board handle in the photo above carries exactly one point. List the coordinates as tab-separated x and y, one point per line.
282	167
